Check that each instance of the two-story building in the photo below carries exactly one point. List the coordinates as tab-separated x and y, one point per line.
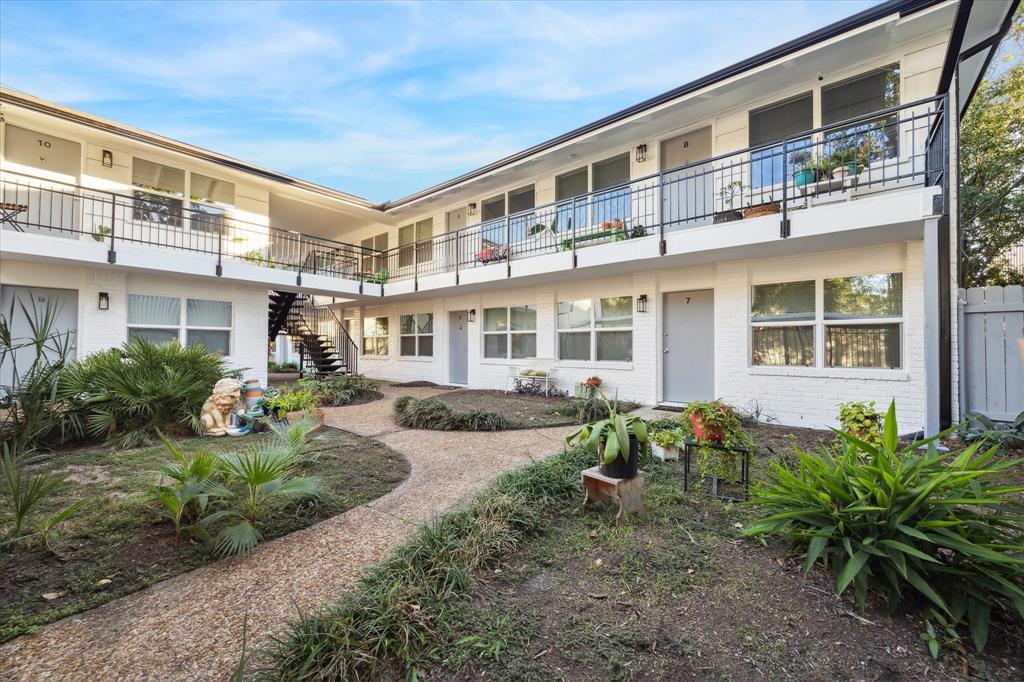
781	234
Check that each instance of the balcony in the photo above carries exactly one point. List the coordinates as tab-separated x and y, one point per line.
897	148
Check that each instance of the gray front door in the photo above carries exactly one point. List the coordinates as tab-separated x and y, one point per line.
64	306
688	195
688	350
458	347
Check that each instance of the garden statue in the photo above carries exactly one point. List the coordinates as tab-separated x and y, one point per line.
217	409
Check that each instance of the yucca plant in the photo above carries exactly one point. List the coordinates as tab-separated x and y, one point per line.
609	437
256	479
186	487
130	393
24	492
905	522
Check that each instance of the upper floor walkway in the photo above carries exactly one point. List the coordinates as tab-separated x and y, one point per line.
860	172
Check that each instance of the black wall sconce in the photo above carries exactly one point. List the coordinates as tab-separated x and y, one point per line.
104	301
471	209
108	158
641	303
641	153
472	315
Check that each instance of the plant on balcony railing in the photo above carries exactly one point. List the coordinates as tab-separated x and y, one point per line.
379	277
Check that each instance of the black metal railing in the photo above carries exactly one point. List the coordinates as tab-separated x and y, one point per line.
892	148
40	205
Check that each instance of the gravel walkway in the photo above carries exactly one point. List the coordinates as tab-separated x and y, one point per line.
190	627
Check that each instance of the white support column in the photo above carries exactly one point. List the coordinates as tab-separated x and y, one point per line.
932	350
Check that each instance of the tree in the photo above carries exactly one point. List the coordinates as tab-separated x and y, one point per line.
992	168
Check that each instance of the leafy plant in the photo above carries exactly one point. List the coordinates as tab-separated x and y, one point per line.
186	487
730	191
905	523
285	400
130	393
1009	436
341	389
862	420
273	366
721	426
24	492
584	409
539	227
101	233
610	437
430	413
669	437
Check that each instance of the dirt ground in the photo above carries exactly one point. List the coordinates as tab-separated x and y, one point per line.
525	411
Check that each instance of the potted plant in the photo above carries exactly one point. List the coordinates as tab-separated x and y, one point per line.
843	162
101	233
619	441
719	433
594	382
379	277
727	195
291	405
805	168
665	443
862	420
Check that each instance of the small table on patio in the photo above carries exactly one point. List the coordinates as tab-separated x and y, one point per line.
628	492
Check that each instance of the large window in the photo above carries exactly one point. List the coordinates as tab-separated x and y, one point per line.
598	330
210	199
871	140
782	318
614	204
862	317
858	318
373	262
416	335
420	231
774	122
510	333
375	336
159	319
520	201
159	193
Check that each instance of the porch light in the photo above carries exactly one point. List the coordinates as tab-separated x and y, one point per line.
471	209
641	303
472	313
104	302
108	158
641	153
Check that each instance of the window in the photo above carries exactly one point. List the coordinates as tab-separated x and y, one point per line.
860	318
408	235
520	201
416	335
373	262
158	318
862	321
775	122
782	318
613	205
571	184
375	336
209	199
510	333
596	330
160	194
871	140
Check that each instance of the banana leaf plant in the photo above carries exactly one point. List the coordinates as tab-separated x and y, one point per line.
614	431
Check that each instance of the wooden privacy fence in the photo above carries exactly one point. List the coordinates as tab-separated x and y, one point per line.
992	339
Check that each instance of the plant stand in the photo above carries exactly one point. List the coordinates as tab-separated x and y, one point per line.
690	445
628	492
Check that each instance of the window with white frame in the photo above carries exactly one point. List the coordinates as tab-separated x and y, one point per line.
159	192
375	336
159	319
857	320
510	332
597	330
420	231
373	249
416	334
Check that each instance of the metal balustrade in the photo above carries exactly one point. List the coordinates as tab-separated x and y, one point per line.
894	148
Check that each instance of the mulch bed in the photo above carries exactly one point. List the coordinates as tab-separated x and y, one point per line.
118	536
524	411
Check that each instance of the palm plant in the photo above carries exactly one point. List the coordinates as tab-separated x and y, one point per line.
26	492
257	479
906	522
187	486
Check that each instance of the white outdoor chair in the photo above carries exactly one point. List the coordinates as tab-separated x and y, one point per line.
541	371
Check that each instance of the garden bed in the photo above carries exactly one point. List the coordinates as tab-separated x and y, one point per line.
117	536
522	411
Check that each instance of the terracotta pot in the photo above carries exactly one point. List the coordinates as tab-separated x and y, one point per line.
702	432
762	209
318	416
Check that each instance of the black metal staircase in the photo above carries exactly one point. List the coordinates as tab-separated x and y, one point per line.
324	345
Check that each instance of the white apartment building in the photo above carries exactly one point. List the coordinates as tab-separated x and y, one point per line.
780	233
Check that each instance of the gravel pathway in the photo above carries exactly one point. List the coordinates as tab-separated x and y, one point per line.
190	627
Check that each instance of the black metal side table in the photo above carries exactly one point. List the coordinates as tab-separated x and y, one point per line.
688	447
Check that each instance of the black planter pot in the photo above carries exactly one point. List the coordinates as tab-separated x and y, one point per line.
728	216
622	468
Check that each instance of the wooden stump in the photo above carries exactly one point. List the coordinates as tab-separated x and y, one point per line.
628	492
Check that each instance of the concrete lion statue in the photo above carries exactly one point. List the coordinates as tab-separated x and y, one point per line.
217	409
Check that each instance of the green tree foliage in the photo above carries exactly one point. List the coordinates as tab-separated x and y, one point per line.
992	168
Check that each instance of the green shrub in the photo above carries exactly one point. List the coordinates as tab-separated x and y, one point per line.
130	393
284	400
273	366
906	523
23	492
591	409
341	389
863	420
1007	435
430	413
399	613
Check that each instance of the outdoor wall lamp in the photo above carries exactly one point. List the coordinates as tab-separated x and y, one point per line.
641	153
472	315
104	301
108	158
471	209
641	303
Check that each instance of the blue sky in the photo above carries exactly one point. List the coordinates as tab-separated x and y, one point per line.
378	99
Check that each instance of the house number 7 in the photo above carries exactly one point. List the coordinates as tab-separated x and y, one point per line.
687	300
